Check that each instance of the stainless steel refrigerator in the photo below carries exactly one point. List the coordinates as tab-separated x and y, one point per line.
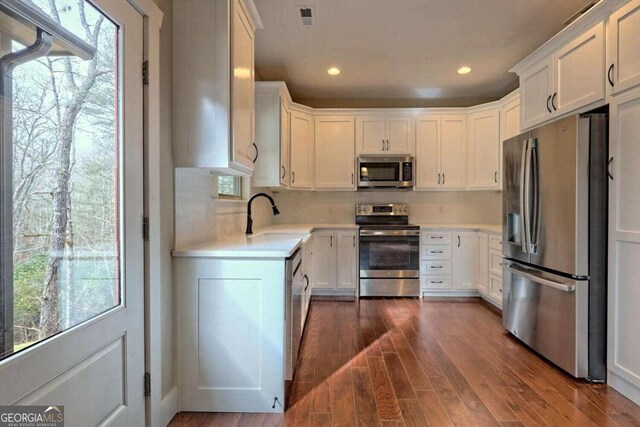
554	242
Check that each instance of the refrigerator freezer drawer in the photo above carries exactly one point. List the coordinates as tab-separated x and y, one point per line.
549	314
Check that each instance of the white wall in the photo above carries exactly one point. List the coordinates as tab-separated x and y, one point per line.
451	207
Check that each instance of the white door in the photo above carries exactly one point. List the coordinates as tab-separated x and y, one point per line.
428	152
510	120
579	73
87	352
324	260
623	47
624	240
301	140
347	259
536	93
484	146
453	152
465	256
284	144
370	134
335	153
244	151
482	269
399	135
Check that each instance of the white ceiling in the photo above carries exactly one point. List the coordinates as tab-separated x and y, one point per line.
403	52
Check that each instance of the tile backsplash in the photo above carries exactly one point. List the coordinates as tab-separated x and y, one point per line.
201	217
451	207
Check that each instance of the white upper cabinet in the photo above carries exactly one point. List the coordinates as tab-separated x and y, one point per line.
272	135
510	119
623	47
452	152
567	79
380	134
484	150
213	80
301	141
428	131
335	153
579	72
536	90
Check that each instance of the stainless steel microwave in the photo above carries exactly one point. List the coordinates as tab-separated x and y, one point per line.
385	172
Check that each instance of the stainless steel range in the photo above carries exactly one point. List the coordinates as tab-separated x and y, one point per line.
389	251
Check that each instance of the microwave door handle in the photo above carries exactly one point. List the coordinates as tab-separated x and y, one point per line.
523	208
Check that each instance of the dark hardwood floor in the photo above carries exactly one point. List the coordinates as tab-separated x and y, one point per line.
395	362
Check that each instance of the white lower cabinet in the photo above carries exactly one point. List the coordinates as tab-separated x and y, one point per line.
335	262
231	334
461	263
465	259
307	276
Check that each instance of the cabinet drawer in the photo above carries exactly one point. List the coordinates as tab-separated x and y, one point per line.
495	242
436	252
495	263
436	267
436	237
495	287
436	282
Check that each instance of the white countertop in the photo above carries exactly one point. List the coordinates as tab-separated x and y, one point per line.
490	228
277	241
281	241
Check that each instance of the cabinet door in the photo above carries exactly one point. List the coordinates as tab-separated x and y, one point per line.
535	94
242	113
301	149
484	149
495	289
510	120
335	153
428	152
579	72
324	260
465	260
482	269
400	135
452	152
284	144
624	47
624	237
370	134
347	259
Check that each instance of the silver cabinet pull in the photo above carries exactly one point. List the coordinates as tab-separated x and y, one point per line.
495	177
609	168
284	172
442	178
436	237
331	241
458	241
436	252
436	266
383	145
436	281
352	178
438	179
354	241
293	177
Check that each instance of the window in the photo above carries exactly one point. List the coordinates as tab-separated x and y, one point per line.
65	186
229	187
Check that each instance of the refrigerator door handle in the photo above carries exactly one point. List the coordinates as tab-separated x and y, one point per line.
524	173
537	279
534	211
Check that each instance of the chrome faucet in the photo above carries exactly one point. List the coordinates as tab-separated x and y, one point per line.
249	220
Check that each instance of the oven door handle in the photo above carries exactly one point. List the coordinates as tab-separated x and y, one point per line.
390	232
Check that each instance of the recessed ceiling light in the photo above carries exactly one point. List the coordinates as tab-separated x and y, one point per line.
464	70
333	71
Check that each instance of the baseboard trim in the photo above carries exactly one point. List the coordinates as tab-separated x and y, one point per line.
169	406
623	386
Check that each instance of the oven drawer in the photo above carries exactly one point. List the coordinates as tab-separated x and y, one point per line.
436	282
431	252
435	267
495	242
436	238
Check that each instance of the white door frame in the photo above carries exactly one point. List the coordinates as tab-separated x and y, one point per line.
159	409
